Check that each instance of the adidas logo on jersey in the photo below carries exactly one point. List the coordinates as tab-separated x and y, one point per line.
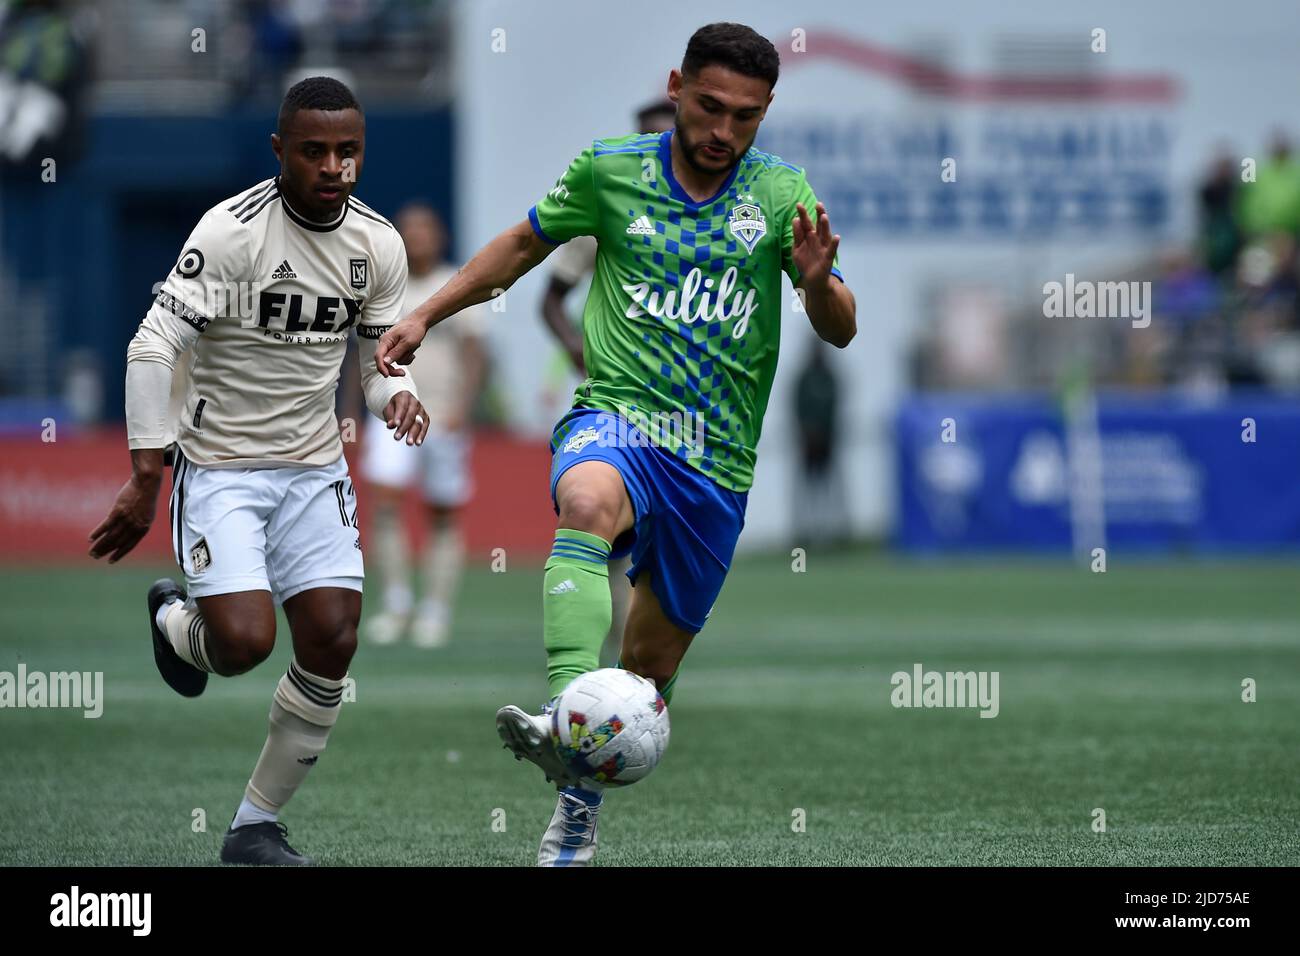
564	587
284	271
642	226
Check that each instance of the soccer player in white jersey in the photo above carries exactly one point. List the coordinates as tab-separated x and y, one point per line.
264	295
448	372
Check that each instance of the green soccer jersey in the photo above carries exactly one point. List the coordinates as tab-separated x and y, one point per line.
683	321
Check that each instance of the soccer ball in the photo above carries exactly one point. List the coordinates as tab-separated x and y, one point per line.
610	727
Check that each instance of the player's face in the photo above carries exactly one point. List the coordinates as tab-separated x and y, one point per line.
718	112
321	153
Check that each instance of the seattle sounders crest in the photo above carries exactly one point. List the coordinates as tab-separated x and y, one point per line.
746	223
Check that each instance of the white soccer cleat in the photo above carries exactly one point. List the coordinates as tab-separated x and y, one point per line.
529	737
429	630
385	628
570	838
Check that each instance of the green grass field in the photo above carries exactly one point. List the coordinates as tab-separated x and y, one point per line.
1119	690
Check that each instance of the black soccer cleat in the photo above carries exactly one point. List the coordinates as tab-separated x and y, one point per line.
186	679
261	844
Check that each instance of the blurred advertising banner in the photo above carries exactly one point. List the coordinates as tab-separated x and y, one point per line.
53	493
1165	473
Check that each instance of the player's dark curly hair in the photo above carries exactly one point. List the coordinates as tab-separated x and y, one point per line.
734	46
316	93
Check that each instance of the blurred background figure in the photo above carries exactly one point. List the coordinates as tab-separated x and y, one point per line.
1220	239
1272	204
448	371
818	506
571	266
43	73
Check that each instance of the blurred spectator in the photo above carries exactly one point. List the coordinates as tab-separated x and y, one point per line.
1186	291
42	74
1220	238
1272	202
819	500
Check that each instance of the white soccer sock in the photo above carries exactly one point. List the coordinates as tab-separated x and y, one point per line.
444	556
391	560
303	711
160	616
249	812
184	627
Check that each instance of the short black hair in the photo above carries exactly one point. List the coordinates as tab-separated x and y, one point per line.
735	46
316	93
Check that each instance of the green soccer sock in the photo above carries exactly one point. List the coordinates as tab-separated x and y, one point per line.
576	606
667	692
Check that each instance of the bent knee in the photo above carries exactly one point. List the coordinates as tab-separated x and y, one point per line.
327	649
237	650
591	510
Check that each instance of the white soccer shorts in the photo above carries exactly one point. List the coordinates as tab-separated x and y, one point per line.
283	529
441	463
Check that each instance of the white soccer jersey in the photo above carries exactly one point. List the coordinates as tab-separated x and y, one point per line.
267	299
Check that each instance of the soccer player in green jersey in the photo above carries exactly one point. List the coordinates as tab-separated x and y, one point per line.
681	329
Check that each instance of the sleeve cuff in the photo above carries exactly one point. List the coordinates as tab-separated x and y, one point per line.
835	271
537	228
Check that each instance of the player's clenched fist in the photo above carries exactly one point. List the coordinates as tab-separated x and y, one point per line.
397	346
405	414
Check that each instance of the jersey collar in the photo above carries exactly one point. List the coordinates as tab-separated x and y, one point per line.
666	162
303	220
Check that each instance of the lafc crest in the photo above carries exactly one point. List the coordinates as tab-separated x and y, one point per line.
359	273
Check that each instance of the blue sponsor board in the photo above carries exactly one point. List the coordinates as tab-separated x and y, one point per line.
1167	473
996	173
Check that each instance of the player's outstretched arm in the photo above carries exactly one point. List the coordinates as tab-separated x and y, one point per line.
495	268
830	305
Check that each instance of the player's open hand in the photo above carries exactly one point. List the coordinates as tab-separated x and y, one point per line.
407	416
814	246
128	521
397	346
